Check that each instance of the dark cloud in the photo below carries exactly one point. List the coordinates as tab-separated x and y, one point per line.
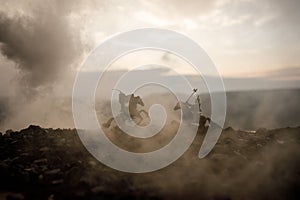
42	43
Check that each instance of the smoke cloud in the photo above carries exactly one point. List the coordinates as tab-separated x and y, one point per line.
41	43
45	47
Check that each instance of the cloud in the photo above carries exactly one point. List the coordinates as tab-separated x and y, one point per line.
43	40
180	9
38	46
42	43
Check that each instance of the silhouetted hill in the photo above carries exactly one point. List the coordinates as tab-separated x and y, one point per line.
38	163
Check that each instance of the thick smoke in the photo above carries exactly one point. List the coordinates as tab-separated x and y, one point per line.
42	43
239	167
45	47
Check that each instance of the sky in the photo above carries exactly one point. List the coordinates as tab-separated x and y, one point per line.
244	38
254	44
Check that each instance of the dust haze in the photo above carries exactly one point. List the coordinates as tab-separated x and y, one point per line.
42	45
44	48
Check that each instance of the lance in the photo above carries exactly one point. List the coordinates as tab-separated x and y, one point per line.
194	91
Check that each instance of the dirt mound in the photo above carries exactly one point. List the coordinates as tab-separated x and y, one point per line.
38	163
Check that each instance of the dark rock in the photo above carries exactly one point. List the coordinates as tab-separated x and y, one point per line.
33	130
44	149
43	160
8	132
57	181
13	196
53	172
53	163
14	133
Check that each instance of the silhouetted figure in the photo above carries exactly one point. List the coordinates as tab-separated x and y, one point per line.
128	108
133	111
124	101
192	111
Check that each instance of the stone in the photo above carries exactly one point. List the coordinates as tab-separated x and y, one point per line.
8	132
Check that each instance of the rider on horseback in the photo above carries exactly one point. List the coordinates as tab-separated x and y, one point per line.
124	101
193	110
128	108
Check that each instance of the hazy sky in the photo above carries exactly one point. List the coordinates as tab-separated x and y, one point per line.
254	44
243	37
43	42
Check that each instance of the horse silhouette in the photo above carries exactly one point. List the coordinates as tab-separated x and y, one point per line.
133	111
130	110
192	111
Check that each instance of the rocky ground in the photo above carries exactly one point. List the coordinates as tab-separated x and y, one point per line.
37	163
